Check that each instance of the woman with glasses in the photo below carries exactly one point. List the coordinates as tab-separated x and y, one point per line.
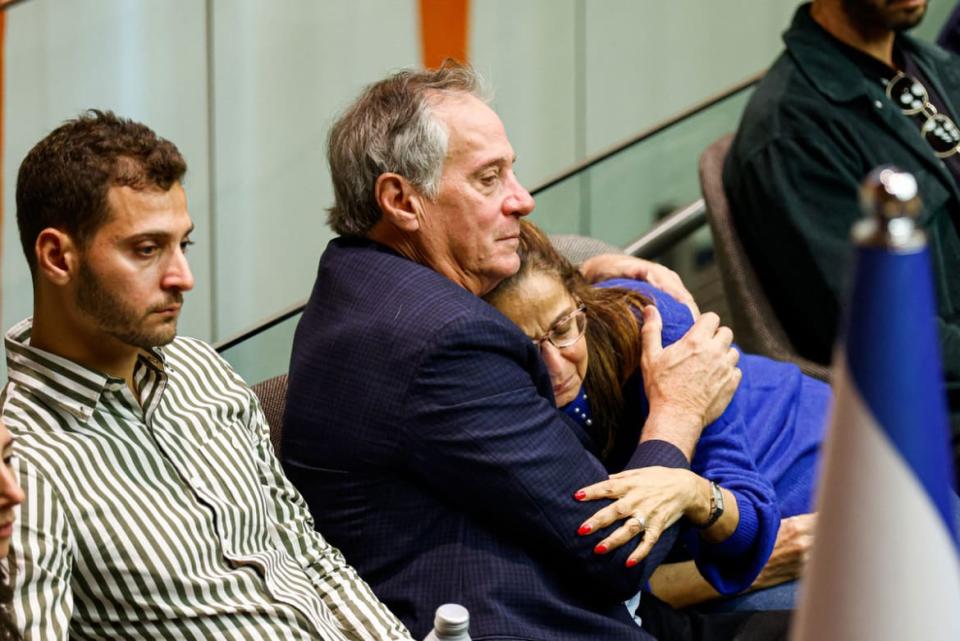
754	464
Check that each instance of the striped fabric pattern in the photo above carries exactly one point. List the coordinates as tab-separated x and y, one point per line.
170	520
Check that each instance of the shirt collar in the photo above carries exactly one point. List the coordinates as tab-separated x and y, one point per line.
60	382
837	70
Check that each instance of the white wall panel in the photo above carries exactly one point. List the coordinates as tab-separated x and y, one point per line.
143	60
283	70
648	60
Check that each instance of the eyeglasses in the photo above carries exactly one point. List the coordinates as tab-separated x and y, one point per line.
938	129
566	331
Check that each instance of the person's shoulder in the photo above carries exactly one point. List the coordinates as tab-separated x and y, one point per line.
782	106
931	52
188	345
189	358
24	415
361	277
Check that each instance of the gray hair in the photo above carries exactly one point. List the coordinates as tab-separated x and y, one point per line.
392	128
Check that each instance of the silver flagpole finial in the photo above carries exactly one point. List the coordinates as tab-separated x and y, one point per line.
890	205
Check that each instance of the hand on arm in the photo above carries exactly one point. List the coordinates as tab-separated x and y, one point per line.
648	501
607	266
688	383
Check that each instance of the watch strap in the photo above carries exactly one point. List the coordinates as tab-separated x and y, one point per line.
716	505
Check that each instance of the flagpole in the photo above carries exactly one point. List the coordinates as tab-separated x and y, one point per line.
885	562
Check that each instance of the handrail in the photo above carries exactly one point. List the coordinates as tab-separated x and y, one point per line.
669	230
262	326
649	132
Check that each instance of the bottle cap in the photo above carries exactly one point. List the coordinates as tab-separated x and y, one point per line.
451	619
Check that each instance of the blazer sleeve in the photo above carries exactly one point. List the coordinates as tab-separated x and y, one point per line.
478	433
723	456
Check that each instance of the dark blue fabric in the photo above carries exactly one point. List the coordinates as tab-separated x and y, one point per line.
769	435
420	428
949	37
894	362
777	597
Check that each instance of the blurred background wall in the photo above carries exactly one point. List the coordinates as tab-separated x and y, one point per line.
248	89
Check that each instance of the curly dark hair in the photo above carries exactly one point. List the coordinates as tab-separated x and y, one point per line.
64	180
613	329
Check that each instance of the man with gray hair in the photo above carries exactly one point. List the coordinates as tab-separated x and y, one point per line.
420	422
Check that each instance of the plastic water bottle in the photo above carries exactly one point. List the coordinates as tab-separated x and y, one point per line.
452	623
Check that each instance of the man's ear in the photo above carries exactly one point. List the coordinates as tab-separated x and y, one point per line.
399	202
57	256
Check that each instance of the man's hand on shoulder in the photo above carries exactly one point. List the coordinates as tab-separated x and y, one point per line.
689	383
607	266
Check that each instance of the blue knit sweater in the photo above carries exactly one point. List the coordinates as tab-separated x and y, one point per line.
763	449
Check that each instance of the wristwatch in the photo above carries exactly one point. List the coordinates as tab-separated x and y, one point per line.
716	505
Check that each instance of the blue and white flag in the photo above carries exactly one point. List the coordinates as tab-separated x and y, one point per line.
885	563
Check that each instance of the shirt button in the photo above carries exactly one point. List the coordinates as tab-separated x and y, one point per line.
878	104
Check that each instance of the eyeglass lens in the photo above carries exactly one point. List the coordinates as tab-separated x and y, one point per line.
566	331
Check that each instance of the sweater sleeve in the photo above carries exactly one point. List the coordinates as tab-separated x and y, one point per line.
723	456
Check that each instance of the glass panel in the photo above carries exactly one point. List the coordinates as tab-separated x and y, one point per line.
620	198
265	355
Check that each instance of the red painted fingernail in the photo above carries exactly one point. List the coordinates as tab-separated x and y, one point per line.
579	495
586	528
600	549
631	562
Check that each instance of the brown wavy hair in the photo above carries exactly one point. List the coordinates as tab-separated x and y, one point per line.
613	329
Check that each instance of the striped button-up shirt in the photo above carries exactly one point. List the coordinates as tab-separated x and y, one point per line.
166	517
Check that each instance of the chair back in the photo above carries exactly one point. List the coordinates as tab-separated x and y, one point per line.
755	324
273	399
577	249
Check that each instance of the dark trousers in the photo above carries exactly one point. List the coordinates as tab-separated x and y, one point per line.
667	624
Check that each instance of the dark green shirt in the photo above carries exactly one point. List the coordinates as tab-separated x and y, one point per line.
814	128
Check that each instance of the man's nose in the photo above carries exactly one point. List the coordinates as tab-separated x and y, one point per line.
520	202
178	275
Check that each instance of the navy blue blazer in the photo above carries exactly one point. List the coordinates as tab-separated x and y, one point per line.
421	429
